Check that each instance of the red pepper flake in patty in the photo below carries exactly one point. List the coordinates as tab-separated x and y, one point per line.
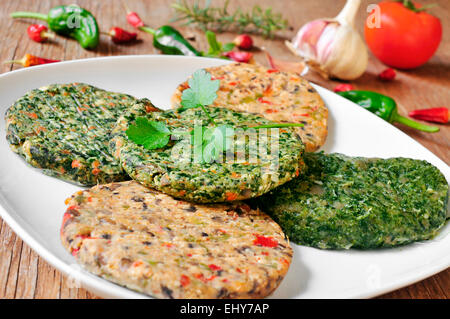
231	196
76	163
265	241
185	280
214	267
261	100
272	71
137	263
75	251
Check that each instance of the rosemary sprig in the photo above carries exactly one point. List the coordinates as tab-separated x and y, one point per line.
258	20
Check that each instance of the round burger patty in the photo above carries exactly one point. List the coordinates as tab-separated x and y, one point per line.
168	248
277	96
346	202
174	169
64	130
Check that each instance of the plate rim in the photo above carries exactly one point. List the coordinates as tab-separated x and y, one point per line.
86	279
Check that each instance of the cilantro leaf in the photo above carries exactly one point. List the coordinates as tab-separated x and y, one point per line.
201	92
150	134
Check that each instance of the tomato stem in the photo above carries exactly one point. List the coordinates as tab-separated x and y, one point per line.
411	6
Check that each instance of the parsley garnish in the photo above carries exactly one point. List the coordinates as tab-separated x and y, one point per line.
201	92
150	134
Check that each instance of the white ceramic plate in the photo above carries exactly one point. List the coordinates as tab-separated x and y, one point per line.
33	204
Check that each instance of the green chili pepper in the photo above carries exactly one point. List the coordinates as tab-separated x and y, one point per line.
385	107
71	21
170	41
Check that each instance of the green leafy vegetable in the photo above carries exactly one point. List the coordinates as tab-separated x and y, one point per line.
150	134
202	90
216	49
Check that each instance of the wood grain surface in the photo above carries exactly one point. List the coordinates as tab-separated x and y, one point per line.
23	274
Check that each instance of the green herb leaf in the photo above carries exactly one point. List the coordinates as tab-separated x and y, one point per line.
228	47
150	134
202	91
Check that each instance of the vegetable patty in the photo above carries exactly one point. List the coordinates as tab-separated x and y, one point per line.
174	171
64	130
278	96
343	202
168	248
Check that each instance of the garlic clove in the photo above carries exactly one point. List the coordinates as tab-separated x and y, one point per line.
332	46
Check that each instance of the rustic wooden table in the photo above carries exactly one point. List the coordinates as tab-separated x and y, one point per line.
23	274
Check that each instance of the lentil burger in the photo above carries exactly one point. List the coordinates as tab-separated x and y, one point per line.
168	248
278	96
64	128
173	172
343	202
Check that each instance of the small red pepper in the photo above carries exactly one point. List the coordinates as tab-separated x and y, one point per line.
437	114
243	41
343	88
38	33
133	18
119	35
239	56
387	75
31	60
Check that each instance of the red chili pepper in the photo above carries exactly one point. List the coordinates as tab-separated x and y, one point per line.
30	60
437	114
133	18
387	75
239	56
343	88
38	33
119	35
265	241
243	41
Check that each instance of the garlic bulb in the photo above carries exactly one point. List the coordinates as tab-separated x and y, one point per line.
332	46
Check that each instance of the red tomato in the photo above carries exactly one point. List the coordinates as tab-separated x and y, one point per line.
406	39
